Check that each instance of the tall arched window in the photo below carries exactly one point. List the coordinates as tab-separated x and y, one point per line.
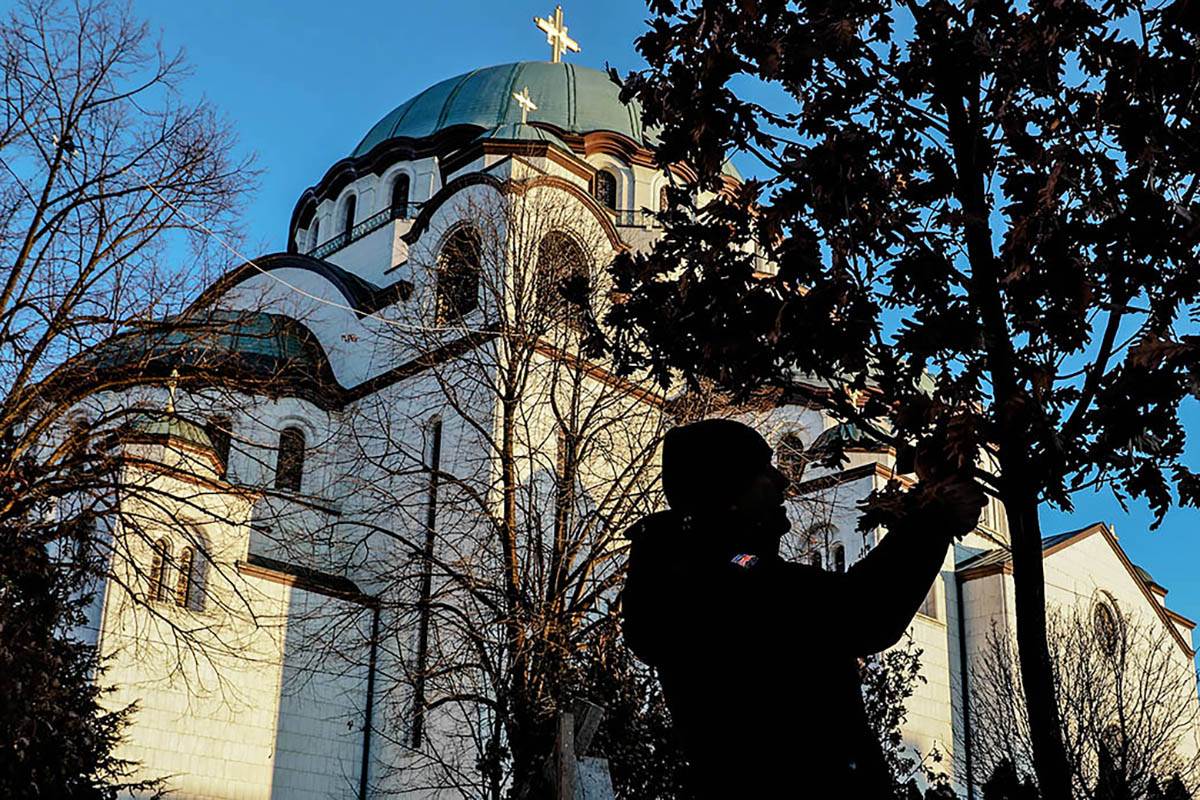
789	457
183	582
400	196
814	558
458	275
838	556
604	187
561	281
220	434
289	461
159	570
348	215
1106	625
314	234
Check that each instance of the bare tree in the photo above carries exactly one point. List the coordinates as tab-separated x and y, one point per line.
503	472
107	175
1129	711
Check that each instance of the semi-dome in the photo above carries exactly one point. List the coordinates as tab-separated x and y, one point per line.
569	98
273	352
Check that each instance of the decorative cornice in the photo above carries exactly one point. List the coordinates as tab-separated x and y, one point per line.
602	375
309	580
457	145
360	295
215	485
1175	616
529	149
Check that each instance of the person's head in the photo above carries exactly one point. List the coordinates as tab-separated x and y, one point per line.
718	466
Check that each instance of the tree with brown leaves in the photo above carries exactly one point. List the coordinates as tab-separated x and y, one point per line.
1001	195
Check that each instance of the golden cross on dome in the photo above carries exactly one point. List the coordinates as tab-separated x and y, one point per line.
556	35
526	103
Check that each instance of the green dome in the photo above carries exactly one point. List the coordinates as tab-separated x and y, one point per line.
851	436
165	425
262	340
569	97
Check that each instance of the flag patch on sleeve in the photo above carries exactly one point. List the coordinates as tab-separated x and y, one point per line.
744	560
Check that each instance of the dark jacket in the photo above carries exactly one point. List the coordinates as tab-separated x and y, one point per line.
758	657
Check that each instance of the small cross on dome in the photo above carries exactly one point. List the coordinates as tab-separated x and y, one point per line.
526	103
172	386
556	35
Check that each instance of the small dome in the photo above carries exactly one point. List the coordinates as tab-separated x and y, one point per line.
166	425
1145	576
569	97
849	434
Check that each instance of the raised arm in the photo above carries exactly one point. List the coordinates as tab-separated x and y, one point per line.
870	606
882	592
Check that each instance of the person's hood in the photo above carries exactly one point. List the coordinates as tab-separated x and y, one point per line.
706	464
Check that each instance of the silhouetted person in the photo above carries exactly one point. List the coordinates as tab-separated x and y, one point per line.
758	656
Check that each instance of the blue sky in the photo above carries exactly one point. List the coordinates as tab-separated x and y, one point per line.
302	81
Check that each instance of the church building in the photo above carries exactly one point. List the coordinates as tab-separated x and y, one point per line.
282	567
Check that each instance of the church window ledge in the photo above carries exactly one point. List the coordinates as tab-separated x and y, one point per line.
369	225
636	218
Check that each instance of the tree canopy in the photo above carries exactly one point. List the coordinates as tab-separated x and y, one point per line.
1000	195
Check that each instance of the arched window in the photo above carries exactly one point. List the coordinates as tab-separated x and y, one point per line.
219	430
838	556
1106	626
348	215
289	461
604	187
814	545
183	582
458	275
400	196
561	282
159	570
789	457
314	234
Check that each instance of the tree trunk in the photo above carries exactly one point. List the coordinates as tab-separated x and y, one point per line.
1037	676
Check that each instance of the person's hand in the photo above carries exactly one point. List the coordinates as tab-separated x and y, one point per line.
947	491
954	501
